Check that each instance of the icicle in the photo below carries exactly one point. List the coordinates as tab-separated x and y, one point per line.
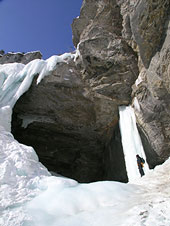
131	142
16	78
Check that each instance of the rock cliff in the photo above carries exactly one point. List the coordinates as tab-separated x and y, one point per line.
65	124
23	58
71	117
150	24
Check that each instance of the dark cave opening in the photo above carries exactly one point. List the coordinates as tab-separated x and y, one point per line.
71	153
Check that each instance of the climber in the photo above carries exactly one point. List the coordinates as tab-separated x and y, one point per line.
140	162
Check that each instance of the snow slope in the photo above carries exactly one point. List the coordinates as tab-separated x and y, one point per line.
30	196
106	203
20	173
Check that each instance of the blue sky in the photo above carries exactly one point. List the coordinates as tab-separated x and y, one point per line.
30	25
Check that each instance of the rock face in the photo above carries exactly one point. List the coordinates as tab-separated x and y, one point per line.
153	95
123	57
19	57
67	124
149	17
152	89
109	63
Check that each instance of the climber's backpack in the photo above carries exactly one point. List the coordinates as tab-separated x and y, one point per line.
142	160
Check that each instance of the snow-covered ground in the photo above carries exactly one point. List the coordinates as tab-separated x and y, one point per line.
20	173
30	196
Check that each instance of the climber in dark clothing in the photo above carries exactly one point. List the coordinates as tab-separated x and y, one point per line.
140	162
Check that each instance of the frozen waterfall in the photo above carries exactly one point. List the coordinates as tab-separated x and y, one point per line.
30	196
131	142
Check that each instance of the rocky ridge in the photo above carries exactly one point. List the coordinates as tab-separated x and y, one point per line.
23	58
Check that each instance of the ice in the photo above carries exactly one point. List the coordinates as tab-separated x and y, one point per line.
51	62
64	202
131	142
136	104
70	203
16	78
20	173
5	117
138	80
30	196
77	54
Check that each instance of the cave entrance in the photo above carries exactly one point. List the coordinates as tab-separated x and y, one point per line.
79	155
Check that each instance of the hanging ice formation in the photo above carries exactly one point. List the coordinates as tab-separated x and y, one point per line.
16	78
131	142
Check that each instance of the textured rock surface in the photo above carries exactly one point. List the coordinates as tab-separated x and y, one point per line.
67	124
146	29
19	57
109	64
153	95
148	25
71	117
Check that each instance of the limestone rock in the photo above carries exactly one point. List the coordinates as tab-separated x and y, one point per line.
67	124
148	24
153	95
88	12
146	29
109	64
19	57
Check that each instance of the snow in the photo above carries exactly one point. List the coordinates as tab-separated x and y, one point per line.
131	142
70	203
51	62
5	117
77	54
30	196
136	104
16	78
26	120
20	173
138	80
